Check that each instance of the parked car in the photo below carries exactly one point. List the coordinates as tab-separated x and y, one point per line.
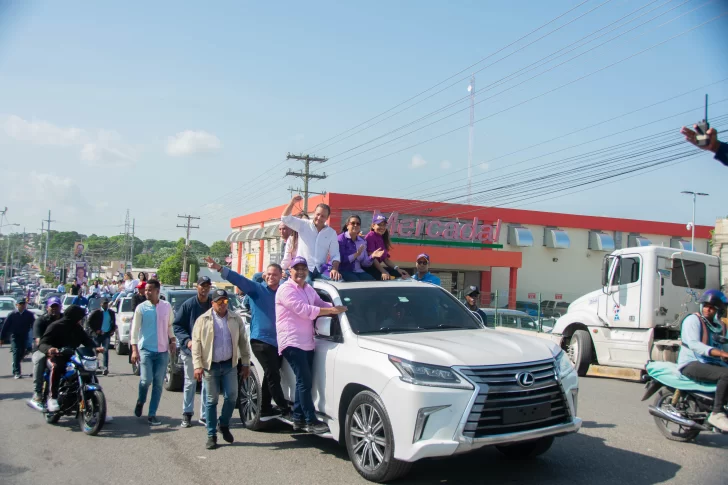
46	296
529	307
554	308
67	301
408	372
124	315
7	305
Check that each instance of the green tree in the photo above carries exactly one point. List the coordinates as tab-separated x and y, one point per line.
169	271
144	261
220	250
199	248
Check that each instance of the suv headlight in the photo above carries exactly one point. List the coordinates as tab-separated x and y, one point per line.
563	364
428	375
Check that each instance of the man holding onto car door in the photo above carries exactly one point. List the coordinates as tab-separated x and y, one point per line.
184	322
218	340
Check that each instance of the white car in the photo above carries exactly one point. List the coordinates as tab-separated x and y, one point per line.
408	372
67	301
40	294
124	315
7	306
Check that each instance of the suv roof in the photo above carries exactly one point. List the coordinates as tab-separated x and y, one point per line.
339	285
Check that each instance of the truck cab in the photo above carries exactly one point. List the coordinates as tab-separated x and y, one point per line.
636	315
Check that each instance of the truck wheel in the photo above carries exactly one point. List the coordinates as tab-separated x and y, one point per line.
249	401
370	440
527	449
580	351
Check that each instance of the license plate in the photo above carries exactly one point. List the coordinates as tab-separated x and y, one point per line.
525	414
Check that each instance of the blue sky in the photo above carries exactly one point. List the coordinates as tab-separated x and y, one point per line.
165	108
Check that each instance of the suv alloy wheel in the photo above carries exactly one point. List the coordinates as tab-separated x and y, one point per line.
249	400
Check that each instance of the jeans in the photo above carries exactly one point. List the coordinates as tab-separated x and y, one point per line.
269	359
152	367
39	367
315	275
700	372
221	377
188	397
354	276
17	347
301	362
104	342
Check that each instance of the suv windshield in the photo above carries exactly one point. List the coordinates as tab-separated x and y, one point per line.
125	305
405	309
6	305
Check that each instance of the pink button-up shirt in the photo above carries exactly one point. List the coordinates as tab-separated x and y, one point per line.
296	309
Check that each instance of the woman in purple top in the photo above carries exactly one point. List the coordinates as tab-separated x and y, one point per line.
378	239
353	252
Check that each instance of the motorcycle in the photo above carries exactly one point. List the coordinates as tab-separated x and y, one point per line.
681	406
79	392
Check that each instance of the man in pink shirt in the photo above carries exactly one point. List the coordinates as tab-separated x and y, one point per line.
297	306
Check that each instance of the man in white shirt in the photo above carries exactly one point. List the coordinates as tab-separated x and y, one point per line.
317	242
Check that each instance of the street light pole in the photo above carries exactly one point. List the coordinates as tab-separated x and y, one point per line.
692	225
7	258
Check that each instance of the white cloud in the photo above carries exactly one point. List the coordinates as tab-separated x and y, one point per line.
484	166
418	162
445	164
189	142
102	148
42	132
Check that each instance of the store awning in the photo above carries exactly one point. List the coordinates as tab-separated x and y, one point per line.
241	235
520	236
230	236
601	241
271	232
257	234
556	238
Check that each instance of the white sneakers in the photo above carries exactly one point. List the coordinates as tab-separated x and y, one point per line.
719	420
53	406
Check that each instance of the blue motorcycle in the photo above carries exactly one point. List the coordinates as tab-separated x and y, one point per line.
79	392
681	406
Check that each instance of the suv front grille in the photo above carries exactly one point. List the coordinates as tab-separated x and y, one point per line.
501	398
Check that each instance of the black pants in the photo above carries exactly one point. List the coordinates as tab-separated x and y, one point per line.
268	357
58	368
372	270
700	372
17	347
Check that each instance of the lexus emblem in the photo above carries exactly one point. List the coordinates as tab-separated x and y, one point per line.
525	379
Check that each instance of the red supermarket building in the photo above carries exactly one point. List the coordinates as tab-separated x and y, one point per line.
520	253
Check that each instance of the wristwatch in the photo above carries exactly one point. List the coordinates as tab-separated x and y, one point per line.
396	268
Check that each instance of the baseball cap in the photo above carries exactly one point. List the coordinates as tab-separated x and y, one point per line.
219	294
22	301
378	219
423	256
204	280
54	300
472	290
299	260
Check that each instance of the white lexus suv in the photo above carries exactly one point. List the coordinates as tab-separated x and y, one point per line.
408	372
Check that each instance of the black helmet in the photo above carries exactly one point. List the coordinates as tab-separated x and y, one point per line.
74	313
715	299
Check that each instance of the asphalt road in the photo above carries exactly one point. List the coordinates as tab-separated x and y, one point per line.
619	444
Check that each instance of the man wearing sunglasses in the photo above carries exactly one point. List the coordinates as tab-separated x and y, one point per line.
422	271
218	340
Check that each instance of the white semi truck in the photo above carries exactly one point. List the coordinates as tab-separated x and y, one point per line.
636	315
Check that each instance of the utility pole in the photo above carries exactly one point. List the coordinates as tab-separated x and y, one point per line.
48	239
692	224
299	190
306	175
471	89
187	226
126	241
131	252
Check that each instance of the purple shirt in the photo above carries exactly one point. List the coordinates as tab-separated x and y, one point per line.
347	250
296	309
374	242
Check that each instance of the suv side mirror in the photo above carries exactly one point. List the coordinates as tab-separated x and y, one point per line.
323	326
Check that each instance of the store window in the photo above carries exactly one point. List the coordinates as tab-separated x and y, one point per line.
688	274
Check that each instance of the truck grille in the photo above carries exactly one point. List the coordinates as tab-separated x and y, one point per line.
504	406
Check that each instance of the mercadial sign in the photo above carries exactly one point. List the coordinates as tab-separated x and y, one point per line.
471	231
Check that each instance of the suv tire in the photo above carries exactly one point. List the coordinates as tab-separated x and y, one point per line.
173	381
370	441
249	401
527	449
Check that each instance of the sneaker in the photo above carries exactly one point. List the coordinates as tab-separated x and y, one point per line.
37	403
269	414
226	434
318	427
186	421
202	421
298	425
153	421
719	420
106	372
211	442
17	376
138	409
53	406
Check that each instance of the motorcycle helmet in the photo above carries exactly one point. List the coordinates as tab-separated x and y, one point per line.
717	300
74	313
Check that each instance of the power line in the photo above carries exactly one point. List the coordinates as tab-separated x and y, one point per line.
187	226
306	175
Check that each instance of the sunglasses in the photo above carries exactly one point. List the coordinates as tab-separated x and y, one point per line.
223	300
424	263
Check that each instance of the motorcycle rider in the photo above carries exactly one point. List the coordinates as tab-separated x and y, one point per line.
66	332
702	356
39	359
